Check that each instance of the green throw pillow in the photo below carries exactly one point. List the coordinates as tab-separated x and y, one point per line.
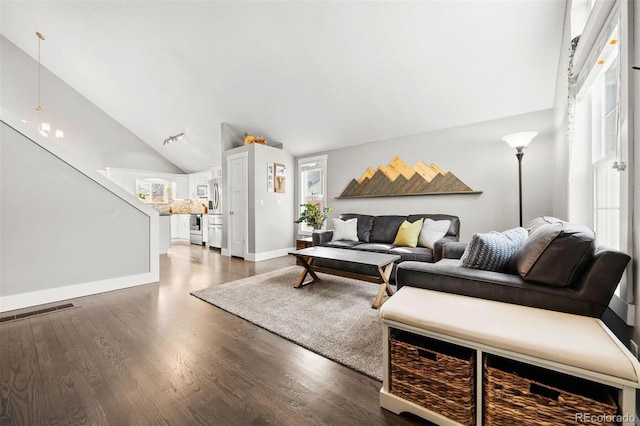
408	234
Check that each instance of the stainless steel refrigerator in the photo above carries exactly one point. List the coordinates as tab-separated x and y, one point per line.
215	214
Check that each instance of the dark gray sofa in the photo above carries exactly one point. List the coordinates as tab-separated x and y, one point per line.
377	233
560	267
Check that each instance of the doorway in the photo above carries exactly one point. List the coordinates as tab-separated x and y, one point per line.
237	177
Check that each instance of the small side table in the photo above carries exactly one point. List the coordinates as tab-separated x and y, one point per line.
303	243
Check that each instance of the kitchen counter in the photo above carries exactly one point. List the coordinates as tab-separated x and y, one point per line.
181	207
174	214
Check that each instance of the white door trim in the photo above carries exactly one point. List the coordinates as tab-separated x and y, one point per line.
244	155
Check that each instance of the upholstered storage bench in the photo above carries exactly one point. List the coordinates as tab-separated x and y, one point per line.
524	357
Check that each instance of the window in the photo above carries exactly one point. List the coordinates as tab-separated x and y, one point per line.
605	108
152	191
599	188
313	184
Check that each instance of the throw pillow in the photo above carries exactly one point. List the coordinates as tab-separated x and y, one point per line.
550	240
432	231
493	251
345	230
408	234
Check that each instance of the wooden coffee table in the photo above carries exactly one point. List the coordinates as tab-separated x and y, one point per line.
383	264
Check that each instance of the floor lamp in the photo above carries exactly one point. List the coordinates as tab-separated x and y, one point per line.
519	141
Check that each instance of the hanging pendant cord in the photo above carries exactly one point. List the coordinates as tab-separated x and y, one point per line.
39	108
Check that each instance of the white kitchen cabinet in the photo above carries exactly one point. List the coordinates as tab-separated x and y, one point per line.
174	226
192	187
182	187
180	227
164	241
183	226
195	179
205	227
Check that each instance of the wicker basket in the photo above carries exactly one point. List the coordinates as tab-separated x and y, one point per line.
433	374
520	394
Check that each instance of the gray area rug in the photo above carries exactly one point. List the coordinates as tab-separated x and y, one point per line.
332	317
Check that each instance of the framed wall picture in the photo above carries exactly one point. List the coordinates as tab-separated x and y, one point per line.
280	173
270	177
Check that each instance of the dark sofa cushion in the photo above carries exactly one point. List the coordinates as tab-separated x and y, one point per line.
448	276
556	252
385	228
341	244
365	222
418	254
376	247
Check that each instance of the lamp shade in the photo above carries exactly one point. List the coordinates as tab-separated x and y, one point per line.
519	140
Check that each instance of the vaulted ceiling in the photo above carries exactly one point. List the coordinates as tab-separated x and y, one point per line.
311	75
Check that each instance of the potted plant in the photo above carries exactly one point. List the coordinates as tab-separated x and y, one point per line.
313	215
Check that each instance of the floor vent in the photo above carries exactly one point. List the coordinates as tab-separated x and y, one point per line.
36	312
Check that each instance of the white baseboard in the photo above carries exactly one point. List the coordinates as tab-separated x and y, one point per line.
257	257
34	298
225	252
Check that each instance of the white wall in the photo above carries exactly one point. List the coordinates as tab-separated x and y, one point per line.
273	212
270	215
66	231
475	154
90	134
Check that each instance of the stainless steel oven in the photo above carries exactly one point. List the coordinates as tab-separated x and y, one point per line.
195	229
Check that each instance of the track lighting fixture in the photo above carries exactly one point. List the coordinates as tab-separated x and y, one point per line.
173	138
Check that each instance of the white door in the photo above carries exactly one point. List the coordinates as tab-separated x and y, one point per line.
237	205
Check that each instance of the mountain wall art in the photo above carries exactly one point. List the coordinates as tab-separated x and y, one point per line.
398	178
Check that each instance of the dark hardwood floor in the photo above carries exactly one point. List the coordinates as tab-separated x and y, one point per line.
154	354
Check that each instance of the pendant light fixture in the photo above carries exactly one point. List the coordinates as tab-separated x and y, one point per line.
43	128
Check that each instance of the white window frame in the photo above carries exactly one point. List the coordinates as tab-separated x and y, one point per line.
603	19
303	228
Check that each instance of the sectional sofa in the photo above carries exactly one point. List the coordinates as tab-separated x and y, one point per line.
559	267
377	234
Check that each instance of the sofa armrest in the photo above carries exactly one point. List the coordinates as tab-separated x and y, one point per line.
439	246
320	238
453	250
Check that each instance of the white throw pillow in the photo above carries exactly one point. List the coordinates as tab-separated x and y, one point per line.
345	230
432	231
